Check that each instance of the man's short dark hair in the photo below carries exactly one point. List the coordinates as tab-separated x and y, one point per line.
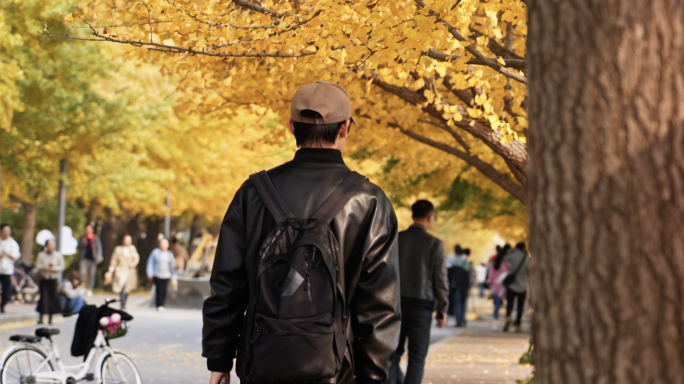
311	133
3	225
457	249
422	209
520	246
467	251
174	240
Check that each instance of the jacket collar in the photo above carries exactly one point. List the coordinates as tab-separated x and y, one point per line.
318	155
418	226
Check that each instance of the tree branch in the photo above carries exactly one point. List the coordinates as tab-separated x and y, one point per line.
485	60
516	190
258	8
497	48
174	49
513	153
510	63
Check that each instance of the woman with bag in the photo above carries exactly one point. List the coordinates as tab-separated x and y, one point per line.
161	267
516	285
497	268
124	266
49	264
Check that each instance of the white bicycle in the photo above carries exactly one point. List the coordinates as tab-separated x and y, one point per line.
28	361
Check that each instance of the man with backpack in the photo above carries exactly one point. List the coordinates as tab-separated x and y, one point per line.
461	278
423	290
305	282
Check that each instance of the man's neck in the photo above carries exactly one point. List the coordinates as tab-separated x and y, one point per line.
422	224
3	238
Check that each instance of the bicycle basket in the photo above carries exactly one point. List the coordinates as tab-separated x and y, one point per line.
113	330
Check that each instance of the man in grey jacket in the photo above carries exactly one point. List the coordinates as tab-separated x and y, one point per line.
424	289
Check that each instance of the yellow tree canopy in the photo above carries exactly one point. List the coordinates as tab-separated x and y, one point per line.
443	75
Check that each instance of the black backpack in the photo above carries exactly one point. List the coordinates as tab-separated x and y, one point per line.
458	277
298	317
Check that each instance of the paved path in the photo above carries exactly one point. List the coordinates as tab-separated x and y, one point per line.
167	346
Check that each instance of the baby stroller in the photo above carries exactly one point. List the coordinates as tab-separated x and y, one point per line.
23	285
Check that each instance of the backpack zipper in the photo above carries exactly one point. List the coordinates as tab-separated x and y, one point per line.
307	288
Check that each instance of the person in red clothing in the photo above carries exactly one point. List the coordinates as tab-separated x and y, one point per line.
90	255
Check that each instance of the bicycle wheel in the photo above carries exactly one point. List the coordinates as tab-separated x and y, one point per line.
22	364
119	372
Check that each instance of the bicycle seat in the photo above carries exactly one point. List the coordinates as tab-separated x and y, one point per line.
25	338
46	332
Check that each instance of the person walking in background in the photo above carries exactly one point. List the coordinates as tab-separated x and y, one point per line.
481	276
50	264
518	266
497	268
90	255
9	253
461	278
161	267
124	267
424	288
180	254
71	294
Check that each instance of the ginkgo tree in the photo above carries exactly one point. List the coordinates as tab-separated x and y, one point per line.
448	74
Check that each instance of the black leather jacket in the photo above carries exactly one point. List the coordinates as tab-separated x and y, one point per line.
366	229
423	269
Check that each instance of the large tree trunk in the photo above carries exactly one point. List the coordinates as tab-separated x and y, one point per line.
606	190
28	230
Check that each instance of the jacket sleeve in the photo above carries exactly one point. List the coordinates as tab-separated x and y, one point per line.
375	307
114	261
40	262
224	310
60	263
98	249
150	264
136	257
440	280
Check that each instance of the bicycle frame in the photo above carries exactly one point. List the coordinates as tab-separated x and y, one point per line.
63	372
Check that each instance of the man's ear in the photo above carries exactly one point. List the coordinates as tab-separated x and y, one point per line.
290	124
344	129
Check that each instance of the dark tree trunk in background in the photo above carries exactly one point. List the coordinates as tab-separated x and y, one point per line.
196	228
28	232
153	226
133	229
606	190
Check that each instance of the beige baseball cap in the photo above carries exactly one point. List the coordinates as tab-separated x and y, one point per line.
328	99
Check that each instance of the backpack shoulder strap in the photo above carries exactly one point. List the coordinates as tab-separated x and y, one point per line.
269	194
339	198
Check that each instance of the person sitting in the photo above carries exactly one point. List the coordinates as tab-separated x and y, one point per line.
71	294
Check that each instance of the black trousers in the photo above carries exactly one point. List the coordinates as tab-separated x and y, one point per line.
510	298
6	282
160	289
415	325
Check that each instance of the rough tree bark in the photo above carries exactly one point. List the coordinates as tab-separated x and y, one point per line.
28	230
606	190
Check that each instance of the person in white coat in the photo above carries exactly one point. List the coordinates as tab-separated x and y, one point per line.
9	253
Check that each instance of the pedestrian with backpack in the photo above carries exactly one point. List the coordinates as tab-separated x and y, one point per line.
305	282
423	290
461	278
516	285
